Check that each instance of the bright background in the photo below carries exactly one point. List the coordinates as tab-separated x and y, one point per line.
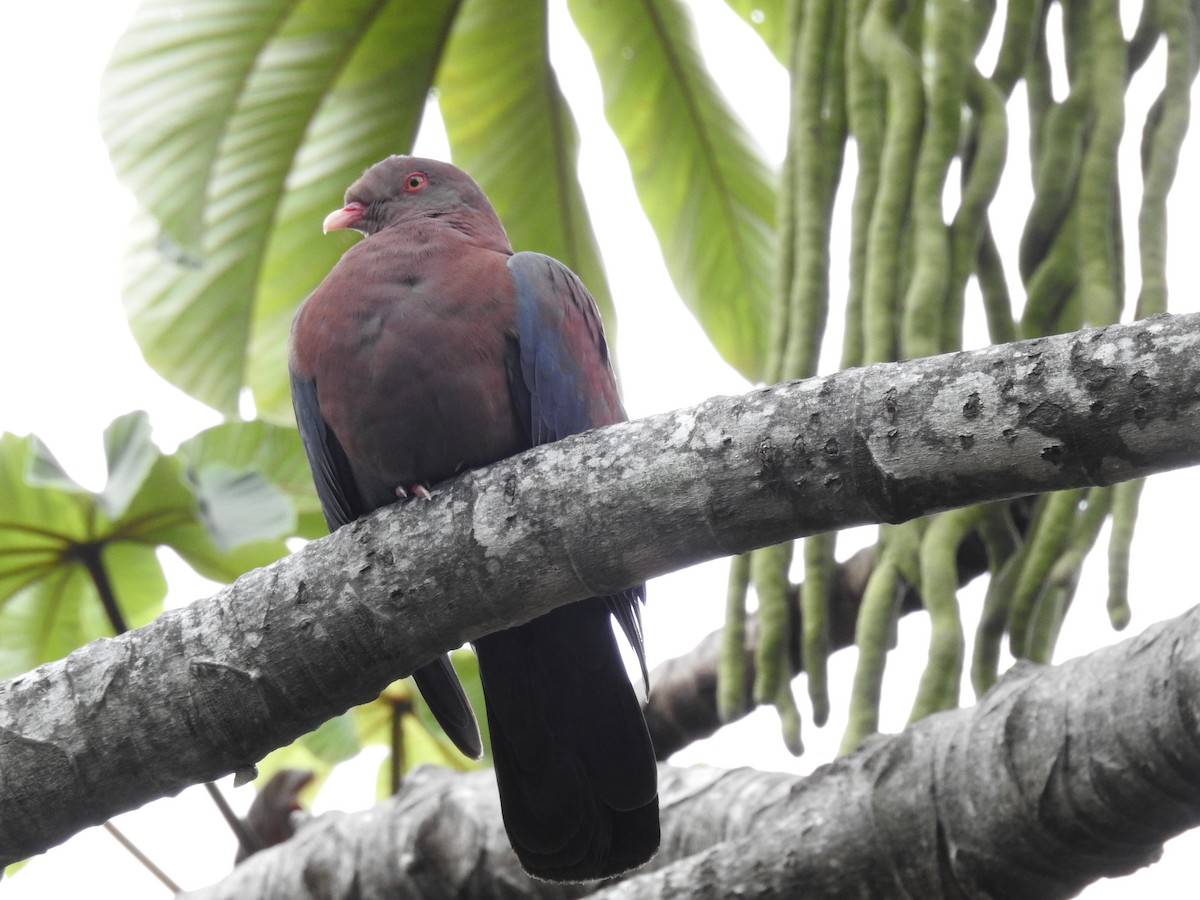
69	366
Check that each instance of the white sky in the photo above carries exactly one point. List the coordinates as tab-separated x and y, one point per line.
70	367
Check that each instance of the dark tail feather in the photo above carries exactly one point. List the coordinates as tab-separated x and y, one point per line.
444	694
576	770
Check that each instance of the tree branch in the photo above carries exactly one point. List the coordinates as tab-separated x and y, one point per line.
212	688
1058	777
1084	770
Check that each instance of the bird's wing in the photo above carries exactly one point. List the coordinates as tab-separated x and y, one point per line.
331	471
561	381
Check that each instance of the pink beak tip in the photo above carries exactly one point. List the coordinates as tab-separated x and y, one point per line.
346	217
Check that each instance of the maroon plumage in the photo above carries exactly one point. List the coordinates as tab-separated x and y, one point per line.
432	348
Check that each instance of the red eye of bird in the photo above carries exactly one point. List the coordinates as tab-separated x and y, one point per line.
414	182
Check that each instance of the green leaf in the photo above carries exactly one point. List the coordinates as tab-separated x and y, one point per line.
39	519
172	84
239	506
510	127
53	536
703	184
61	609
273	450
49	618
283	107
45	470
769	19
14	868
333	741
130	453
212	502
167	511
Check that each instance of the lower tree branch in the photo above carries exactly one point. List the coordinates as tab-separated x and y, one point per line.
441	836
1058	777
212	688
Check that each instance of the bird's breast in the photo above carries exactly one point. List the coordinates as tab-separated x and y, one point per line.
408	357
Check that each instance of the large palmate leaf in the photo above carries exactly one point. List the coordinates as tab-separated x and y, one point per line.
258	446
173	83
75	565
703	184
238	126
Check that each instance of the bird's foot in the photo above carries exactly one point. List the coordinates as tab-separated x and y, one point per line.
417	490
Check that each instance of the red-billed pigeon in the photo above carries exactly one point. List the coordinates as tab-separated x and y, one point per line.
431	348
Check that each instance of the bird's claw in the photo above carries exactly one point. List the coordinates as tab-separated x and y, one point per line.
416	490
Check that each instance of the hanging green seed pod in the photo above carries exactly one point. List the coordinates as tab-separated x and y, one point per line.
733	697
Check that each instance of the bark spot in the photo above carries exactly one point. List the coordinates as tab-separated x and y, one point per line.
773	463
1054	455
890	405
973	406
1097	377
1092	372
224	698
1046	418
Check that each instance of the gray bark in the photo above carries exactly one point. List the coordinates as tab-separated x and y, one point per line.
212	688
1058	777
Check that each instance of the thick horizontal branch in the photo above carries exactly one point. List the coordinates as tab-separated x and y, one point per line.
211	688
1059	776
1084	770
442	836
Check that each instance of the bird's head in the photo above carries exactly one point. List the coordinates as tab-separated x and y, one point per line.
406	188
